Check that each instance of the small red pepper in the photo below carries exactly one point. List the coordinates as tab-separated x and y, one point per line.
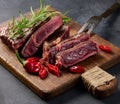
105	48
77	69
54	70
31	65
33	59
43	72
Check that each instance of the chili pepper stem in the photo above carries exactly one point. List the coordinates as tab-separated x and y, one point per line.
20	59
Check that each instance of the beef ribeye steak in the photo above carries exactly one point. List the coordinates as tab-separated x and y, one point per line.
66	44
76	54
40	35
61	34
15	44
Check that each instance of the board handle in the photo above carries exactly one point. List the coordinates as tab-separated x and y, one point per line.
99	83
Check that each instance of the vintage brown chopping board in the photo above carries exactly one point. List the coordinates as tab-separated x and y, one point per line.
53	85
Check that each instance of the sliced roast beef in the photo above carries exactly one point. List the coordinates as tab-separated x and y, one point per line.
66	44
64	34
17	43
58	36
76	54
40	35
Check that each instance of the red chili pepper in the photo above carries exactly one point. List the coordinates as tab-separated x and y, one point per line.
105	48
33	59
43	72
77	69
31	65
54	70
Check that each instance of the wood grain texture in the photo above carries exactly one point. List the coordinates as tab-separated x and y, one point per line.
53	85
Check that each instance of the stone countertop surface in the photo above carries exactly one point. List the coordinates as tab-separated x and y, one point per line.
12	91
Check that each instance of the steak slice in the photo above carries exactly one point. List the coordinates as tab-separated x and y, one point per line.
76	54
66	44
40	35
58	36
64	33
16	44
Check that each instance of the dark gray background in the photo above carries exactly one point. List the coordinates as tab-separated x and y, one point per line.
12	91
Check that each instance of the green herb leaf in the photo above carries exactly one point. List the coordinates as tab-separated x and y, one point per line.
18	29
33	14
66	20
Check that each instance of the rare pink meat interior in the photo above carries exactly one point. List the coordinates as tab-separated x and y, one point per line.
61	34
76	54
66	44
40	35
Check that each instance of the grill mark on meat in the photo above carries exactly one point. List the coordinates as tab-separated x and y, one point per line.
40	35
76	54
66	44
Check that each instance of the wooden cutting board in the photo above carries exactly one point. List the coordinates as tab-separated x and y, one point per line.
53	85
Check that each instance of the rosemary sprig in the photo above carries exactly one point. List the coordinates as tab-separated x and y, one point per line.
18	28
66	20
